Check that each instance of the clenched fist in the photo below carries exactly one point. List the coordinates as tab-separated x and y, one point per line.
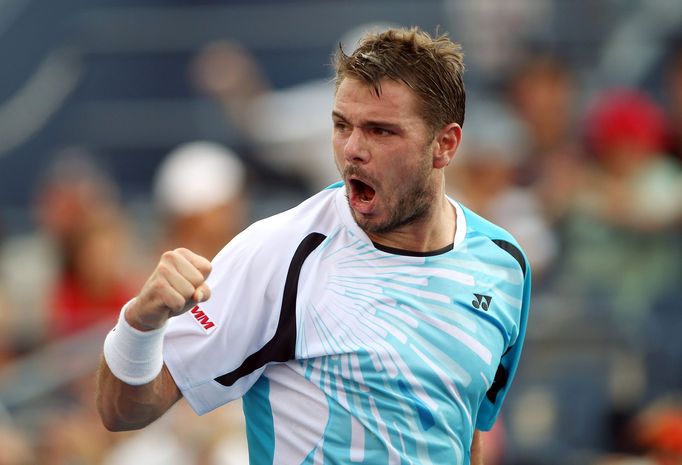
176	285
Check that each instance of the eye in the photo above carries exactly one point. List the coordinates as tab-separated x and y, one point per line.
340	126
379	131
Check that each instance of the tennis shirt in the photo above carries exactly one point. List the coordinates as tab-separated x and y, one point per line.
345	351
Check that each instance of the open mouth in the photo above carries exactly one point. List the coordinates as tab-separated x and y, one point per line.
361	196
361	191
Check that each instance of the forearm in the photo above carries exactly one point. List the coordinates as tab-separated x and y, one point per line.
134	387
123	407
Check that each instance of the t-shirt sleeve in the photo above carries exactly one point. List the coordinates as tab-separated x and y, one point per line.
490	407
205	349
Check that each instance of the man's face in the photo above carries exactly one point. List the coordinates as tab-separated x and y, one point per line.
383	150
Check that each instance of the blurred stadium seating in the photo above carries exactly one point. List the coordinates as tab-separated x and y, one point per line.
114	77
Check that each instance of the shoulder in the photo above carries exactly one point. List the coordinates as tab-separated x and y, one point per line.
497	240
282	233
318	212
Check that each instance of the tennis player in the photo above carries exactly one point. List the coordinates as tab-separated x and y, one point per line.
378	322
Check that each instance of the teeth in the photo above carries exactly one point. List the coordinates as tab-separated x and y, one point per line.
363	193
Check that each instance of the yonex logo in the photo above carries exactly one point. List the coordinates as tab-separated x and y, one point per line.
202	318
482	301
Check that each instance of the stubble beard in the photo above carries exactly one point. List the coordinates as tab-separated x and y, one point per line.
414	203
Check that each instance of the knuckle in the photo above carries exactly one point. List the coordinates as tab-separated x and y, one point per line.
205	267
195	282
163	269
175	301
187	292
159	285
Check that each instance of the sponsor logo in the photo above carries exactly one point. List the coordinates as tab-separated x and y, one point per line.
202	319
482	301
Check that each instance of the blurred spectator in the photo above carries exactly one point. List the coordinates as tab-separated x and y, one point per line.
290	128
72	190
70	272
199	190
635	186
623	220
484	176
99	279
543	92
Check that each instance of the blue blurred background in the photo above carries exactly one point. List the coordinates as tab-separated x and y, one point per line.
131	126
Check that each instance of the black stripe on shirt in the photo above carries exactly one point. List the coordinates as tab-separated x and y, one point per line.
501	378
411	253
502	375
514	251
282	346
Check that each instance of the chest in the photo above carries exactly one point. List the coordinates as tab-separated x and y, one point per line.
374	321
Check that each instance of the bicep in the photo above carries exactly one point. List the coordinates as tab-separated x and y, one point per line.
477	448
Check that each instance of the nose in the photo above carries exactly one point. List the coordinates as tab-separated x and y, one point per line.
356	149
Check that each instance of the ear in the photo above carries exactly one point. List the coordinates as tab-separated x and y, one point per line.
446	142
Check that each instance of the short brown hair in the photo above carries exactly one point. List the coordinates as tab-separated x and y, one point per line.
431	66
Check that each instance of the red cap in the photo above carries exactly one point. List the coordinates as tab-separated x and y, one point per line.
626	116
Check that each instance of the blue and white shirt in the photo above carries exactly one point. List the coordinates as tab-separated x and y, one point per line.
348	352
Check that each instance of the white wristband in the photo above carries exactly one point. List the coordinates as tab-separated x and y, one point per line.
135	357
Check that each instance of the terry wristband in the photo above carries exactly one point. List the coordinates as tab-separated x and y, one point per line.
135	357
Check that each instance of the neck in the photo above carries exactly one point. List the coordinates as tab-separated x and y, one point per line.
434	231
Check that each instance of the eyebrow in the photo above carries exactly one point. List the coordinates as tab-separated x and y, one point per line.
369	123
336	114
